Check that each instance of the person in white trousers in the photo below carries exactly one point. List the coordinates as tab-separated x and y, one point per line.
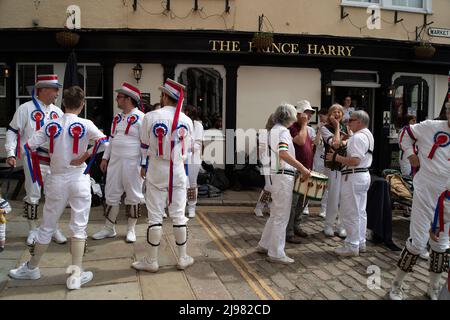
166	137
284	166
28	119
355	183
432	138
334	135
68	182
319	158
122	161
194	160
265	197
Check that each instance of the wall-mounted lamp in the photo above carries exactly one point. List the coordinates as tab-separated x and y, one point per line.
328	88
137	71
391	92
6	71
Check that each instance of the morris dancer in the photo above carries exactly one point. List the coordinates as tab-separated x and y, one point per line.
29	118
122	159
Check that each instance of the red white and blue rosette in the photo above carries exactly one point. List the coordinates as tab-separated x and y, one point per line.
52	130
54	115
116	120
132	119
38	117
441	139
160	130
76	131
182	132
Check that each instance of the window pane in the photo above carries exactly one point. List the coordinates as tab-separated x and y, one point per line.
365	1
26	78
408	3
81	76
94	81
95	112
5	118
44	69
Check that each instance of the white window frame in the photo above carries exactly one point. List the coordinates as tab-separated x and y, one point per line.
84	65
387	5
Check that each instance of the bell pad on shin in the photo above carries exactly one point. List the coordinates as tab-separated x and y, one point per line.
438	261
407	260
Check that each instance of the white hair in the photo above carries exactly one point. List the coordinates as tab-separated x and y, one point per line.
285	114
362	116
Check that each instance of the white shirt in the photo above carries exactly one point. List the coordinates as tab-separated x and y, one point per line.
423	134
125	144
280	140
63	143
358	146
23	123
347	113
197	138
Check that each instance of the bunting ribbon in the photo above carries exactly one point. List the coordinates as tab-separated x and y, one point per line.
441	139
76	131
29	161
97	145
130	121
172	141
439	212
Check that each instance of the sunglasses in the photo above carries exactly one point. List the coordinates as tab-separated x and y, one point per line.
352	119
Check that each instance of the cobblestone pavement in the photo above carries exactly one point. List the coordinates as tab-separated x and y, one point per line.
222	239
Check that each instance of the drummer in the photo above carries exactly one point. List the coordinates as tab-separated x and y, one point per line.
355	183
303	137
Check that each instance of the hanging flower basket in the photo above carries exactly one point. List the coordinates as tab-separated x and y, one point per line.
67	39
424	50
262	40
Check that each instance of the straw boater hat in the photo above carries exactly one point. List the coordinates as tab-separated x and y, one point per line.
131	91
47	81
172	89
304	105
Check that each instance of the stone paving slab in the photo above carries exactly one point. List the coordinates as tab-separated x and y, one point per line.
121	291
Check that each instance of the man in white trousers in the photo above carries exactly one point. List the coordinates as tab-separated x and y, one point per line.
355	183
68	182
122	160
29	118
166	137
432	138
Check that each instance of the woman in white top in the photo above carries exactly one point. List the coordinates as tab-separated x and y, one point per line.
283	169
195	159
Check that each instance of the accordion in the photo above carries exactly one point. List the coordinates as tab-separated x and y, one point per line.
333	165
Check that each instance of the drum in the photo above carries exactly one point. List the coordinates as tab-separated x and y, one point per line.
313	188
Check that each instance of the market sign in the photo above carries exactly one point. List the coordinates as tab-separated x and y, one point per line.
439	32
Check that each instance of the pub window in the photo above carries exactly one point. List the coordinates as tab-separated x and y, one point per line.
4	112
401	5
90	77
26	79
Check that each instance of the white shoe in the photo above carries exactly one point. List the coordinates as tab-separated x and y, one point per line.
342	233
396	292
165	215
58	237
433	292
346	251
258	212
284	260
261	250
24	273
191	213
74	283
31	237
146	264
131	236
329	232
322	214
306	211
104	233
185	262
425	255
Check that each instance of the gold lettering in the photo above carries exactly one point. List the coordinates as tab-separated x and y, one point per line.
310	51
250	46
322	50
282	47
349	49
276	47
295	48
213	42
236	46
341	51
225	45
331	50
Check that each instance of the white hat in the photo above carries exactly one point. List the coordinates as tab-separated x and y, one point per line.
47	81
131	91
172	89
303	105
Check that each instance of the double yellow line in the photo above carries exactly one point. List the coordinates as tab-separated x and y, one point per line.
259	286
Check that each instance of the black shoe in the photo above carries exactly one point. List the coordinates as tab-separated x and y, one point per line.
293	239
301	233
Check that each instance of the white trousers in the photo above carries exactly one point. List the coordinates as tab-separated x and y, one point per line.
124	175
268	188
32	189
353	202
320	168
60	189
426	193
334	193
193	170
274	235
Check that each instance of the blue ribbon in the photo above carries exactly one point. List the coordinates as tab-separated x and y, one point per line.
30	167
94	154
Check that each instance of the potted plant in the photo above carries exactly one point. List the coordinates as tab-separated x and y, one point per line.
67	38
424	50
262	40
